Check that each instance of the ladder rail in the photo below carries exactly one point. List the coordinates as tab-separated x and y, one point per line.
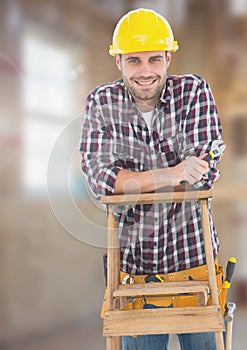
113	261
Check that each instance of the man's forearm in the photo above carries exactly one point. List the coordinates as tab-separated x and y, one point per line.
140	182
190	170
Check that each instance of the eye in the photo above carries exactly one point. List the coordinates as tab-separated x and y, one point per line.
133	60
156	59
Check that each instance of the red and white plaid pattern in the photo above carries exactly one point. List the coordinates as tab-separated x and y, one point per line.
158	238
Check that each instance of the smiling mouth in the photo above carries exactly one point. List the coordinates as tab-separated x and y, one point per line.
145	82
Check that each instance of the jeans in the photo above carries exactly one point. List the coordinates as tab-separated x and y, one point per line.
192	341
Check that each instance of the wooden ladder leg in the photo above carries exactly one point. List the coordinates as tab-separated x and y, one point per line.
211	266
113	343
113	269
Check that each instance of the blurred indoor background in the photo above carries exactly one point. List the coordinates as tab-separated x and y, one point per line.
52	233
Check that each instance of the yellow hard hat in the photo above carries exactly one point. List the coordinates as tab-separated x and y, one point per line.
142	30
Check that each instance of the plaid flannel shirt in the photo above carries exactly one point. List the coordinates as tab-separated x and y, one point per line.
157	238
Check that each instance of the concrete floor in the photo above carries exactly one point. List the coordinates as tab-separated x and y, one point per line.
86	335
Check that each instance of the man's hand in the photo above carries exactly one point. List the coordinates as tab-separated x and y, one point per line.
190	170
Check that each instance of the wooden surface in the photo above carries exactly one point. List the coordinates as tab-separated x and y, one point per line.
157	197
165	320
164	289
114	343
209	253
170	288
113	267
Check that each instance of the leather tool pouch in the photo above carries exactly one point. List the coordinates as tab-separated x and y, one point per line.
196	273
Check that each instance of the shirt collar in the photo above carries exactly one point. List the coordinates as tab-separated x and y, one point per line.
166	95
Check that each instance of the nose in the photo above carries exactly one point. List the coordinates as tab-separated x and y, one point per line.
145	69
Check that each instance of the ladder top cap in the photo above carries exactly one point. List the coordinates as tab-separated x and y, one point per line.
156	197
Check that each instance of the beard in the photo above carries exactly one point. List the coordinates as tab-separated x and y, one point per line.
142	94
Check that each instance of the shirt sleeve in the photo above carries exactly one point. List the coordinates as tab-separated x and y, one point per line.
201	127
99	163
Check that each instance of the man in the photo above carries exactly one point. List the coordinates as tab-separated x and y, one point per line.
150	131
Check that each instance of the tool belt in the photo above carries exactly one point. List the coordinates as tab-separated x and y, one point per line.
197	274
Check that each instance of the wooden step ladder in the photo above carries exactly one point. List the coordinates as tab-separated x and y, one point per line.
200	318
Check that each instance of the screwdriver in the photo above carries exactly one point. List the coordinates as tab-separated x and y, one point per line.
229	272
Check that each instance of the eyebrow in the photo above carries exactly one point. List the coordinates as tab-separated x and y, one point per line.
132	57
138	58
157	56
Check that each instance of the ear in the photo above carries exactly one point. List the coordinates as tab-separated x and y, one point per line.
118	62
168	58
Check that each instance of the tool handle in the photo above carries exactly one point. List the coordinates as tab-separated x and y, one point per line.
229	272
105	267
154	278
209	157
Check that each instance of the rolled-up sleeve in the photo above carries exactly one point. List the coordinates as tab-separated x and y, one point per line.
99	163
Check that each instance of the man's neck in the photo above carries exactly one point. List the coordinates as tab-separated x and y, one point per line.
144	108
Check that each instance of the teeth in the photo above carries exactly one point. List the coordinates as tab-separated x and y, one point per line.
145	82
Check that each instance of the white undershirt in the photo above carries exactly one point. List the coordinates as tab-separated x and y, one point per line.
148	117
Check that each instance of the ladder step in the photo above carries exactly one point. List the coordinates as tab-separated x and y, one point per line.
160	321
169	288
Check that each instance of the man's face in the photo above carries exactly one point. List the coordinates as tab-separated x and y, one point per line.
144	74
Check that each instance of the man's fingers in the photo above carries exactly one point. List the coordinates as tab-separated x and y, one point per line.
202	156
204	163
